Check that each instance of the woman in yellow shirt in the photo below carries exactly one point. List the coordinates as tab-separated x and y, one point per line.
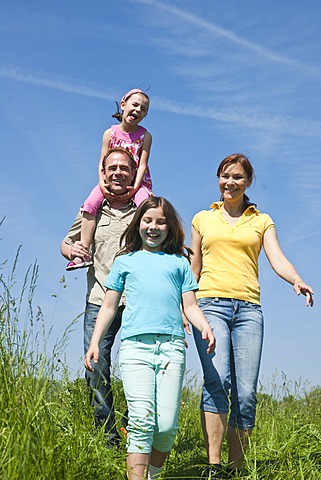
226	242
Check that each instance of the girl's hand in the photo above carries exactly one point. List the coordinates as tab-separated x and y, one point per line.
186	328
186	324
93	353
301	287
108	194
125	197
208	335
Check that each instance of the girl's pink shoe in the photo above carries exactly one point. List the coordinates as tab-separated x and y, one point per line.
78	262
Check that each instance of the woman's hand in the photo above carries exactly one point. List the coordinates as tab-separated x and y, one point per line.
299	287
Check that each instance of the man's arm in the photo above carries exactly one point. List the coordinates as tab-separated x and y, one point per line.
71	246
72	250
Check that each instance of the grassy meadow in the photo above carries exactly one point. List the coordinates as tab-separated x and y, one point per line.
46	422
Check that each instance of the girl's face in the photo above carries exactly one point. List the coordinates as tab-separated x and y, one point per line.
233	181
153	229
135	108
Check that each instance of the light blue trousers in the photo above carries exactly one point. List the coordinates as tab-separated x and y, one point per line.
152	368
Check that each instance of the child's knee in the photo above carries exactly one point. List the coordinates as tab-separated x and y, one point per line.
164	437
141	195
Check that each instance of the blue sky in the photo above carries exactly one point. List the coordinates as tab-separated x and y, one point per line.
223	77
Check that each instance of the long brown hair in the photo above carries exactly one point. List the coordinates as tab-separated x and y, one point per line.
174	242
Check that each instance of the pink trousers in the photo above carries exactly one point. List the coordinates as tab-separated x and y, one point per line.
96	197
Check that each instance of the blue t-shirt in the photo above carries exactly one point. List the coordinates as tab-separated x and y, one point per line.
153	283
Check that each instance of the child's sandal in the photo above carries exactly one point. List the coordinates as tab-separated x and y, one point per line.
78	262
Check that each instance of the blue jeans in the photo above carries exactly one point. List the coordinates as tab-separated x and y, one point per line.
231	372
99	380
152	368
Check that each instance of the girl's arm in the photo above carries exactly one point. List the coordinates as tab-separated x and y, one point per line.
143	161
196	258
195	315
131	190
283	267
104	150
104	319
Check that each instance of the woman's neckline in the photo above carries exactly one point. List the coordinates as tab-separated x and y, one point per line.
232	218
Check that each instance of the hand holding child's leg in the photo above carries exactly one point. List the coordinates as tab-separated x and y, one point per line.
88	226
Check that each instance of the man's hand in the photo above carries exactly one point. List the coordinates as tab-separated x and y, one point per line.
78	249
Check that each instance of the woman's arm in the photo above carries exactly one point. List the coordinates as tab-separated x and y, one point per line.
283	267
195	315
196	258
104	319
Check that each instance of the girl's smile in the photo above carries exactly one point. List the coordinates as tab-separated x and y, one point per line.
153	229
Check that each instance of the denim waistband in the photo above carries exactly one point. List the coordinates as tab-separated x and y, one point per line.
154	337
228	300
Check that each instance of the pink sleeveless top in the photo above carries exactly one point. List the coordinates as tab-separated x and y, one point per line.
133	142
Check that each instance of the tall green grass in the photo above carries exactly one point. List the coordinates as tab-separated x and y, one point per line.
47	426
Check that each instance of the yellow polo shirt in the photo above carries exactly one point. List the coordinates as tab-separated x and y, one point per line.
230	253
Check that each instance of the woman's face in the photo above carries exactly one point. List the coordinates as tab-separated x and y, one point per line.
233	181
153	229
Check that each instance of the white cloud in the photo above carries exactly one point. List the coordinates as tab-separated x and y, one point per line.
275	123
57	82
231	37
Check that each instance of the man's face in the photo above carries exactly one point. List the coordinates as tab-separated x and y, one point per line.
118	173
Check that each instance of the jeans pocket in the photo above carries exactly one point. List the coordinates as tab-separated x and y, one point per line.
203	302
178	346
254	306
126	344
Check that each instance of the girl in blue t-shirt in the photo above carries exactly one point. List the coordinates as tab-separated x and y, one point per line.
153	269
